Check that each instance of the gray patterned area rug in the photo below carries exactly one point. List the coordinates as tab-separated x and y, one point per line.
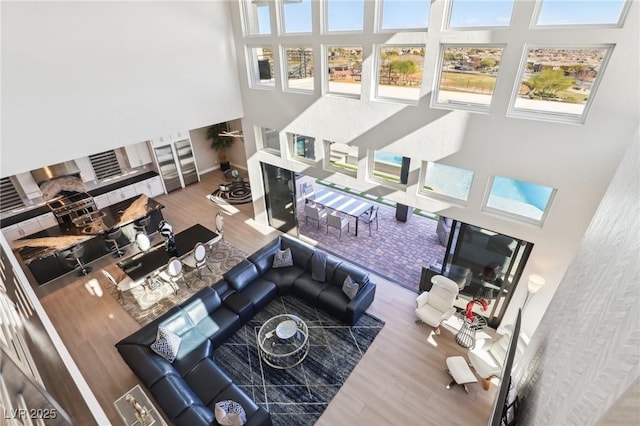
221	257
298	395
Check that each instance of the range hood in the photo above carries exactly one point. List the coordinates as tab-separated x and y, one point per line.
44	174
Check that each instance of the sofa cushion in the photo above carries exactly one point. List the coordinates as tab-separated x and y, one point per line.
282	258
263	258
333	300
301	252
177	322
241	275
223	289
201	304
260	292
207	380
308	289
194	348
227	323
174	395
166	344
196	415
148	366
284	278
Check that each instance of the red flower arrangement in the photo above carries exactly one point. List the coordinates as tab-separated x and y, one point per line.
469	315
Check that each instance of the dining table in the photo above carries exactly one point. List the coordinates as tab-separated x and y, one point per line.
340	202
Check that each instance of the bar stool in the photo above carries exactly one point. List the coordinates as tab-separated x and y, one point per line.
75	256
112	236
141	224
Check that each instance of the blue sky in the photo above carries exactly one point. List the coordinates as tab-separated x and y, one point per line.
348	15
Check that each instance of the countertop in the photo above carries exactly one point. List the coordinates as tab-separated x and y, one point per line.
61	237
44	209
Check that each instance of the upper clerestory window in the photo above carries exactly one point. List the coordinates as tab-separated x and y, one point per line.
480	13
257	17
404	14
588	13
344	15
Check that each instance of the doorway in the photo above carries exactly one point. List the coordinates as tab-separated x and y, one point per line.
280	200
487	265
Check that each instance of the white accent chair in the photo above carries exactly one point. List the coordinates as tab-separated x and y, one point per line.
337	222
173	273
436	305
121	286
487	356
143	242
197	259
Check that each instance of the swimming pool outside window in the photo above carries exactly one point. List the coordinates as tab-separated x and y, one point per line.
302	147
341	158
523	200
446	181
385	167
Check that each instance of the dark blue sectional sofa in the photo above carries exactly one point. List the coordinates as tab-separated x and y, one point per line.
188	388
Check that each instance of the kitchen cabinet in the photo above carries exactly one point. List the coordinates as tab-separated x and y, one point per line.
138	154
101	201
121	194
86	169
29	226
150	187
29	186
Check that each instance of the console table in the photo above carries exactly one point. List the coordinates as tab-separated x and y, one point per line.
126	407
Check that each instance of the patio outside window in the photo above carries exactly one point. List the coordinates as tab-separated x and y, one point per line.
261	63
302	147
468	76
385	167
341	158
270	140
400	72
523	200
480	13
559	84
447	181
299	68
257	17
345	70
404	14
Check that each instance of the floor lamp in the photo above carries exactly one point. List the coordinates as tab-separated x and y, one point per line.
535	283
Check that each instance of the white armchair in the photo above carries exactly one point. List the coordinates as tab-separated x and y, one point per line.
436	305
487	356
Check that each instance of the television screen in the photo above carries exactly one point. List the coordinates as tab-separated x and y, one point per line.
499	412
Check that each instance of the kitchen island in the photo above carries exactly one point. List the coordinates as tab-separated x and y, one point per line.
44	251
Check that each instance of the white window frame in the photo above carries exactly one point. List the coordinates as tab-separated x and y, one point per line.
246	26
379	16
465	106
327	160
558	117
376	82
372	178
437	195
253	68
291	143
515	216
260	141
285	67
619	24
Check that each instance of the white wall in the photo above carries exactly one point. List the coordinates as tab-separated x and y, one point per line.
576	159
80	77
584	354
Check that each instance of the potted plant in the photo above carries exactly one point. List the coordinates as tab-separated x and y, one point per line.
220	142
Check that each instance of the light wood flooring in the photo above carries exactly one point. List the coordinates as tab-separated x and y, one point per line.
400	380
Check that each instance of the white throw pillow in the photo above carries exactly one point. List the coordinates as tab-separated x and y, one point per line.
350	287
230	413
167	344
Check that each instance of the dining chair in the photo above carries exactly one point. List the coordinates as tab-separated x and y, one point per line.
75	256
337	222
113	281
197	259
173	273
369	217
220	224
314	213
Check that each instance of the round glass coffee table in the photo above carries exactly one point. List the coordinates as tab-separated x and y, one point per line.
283	341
